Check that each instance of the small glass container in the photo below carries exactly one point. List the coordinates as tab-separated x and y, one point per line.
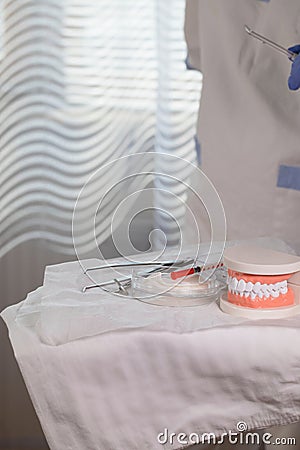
159	289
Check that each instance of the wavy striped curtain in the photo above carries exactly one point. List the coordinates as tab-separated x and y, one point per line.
81	83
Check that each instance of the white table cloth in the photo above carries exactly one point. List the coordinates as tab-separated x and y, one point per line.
112	373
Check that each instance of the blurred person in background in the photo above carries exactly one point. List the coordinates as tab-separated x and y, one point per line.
248	126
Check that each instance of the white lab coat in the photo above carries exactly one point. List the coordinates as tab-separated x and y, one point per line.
249	121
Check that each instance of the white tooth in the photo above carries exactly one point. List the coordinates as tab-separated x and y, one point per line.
267	294
275	294
277	286
247	294
283	290
260	294
253	295
256	287
241	294
241	285
234	283
272	287
264	288
249	286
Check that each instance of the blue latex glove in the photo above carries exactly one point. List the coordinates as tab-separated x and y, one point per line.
294	78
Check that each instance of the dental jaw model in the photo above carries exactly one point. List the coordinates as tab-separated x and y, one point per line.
262	283
254	291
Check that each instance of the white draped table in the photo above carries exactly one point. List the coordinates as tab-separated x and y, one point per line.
111	373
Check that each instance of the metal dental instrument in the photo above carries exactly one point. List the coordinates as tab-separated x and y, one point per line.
264	40
163	265
122	288
133	264
106	283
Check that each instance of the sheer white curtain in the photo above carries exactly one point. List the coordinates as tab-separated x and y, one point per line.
81	83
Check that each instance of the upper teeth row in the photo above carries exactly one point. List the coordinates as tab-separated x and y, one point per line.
243	287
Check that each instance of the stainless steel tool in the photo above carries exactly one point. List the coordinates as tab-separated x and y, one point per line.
278	47
131	264
125	282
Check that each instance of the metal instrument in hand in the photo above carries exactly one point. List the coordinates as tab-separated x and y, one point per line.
291	55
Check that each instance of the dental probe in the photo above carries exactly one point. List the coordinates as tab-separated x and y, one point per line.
160	266
264	40
139	263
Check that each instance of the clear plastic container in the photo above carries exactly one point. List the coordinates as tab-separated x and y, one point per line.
159	289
